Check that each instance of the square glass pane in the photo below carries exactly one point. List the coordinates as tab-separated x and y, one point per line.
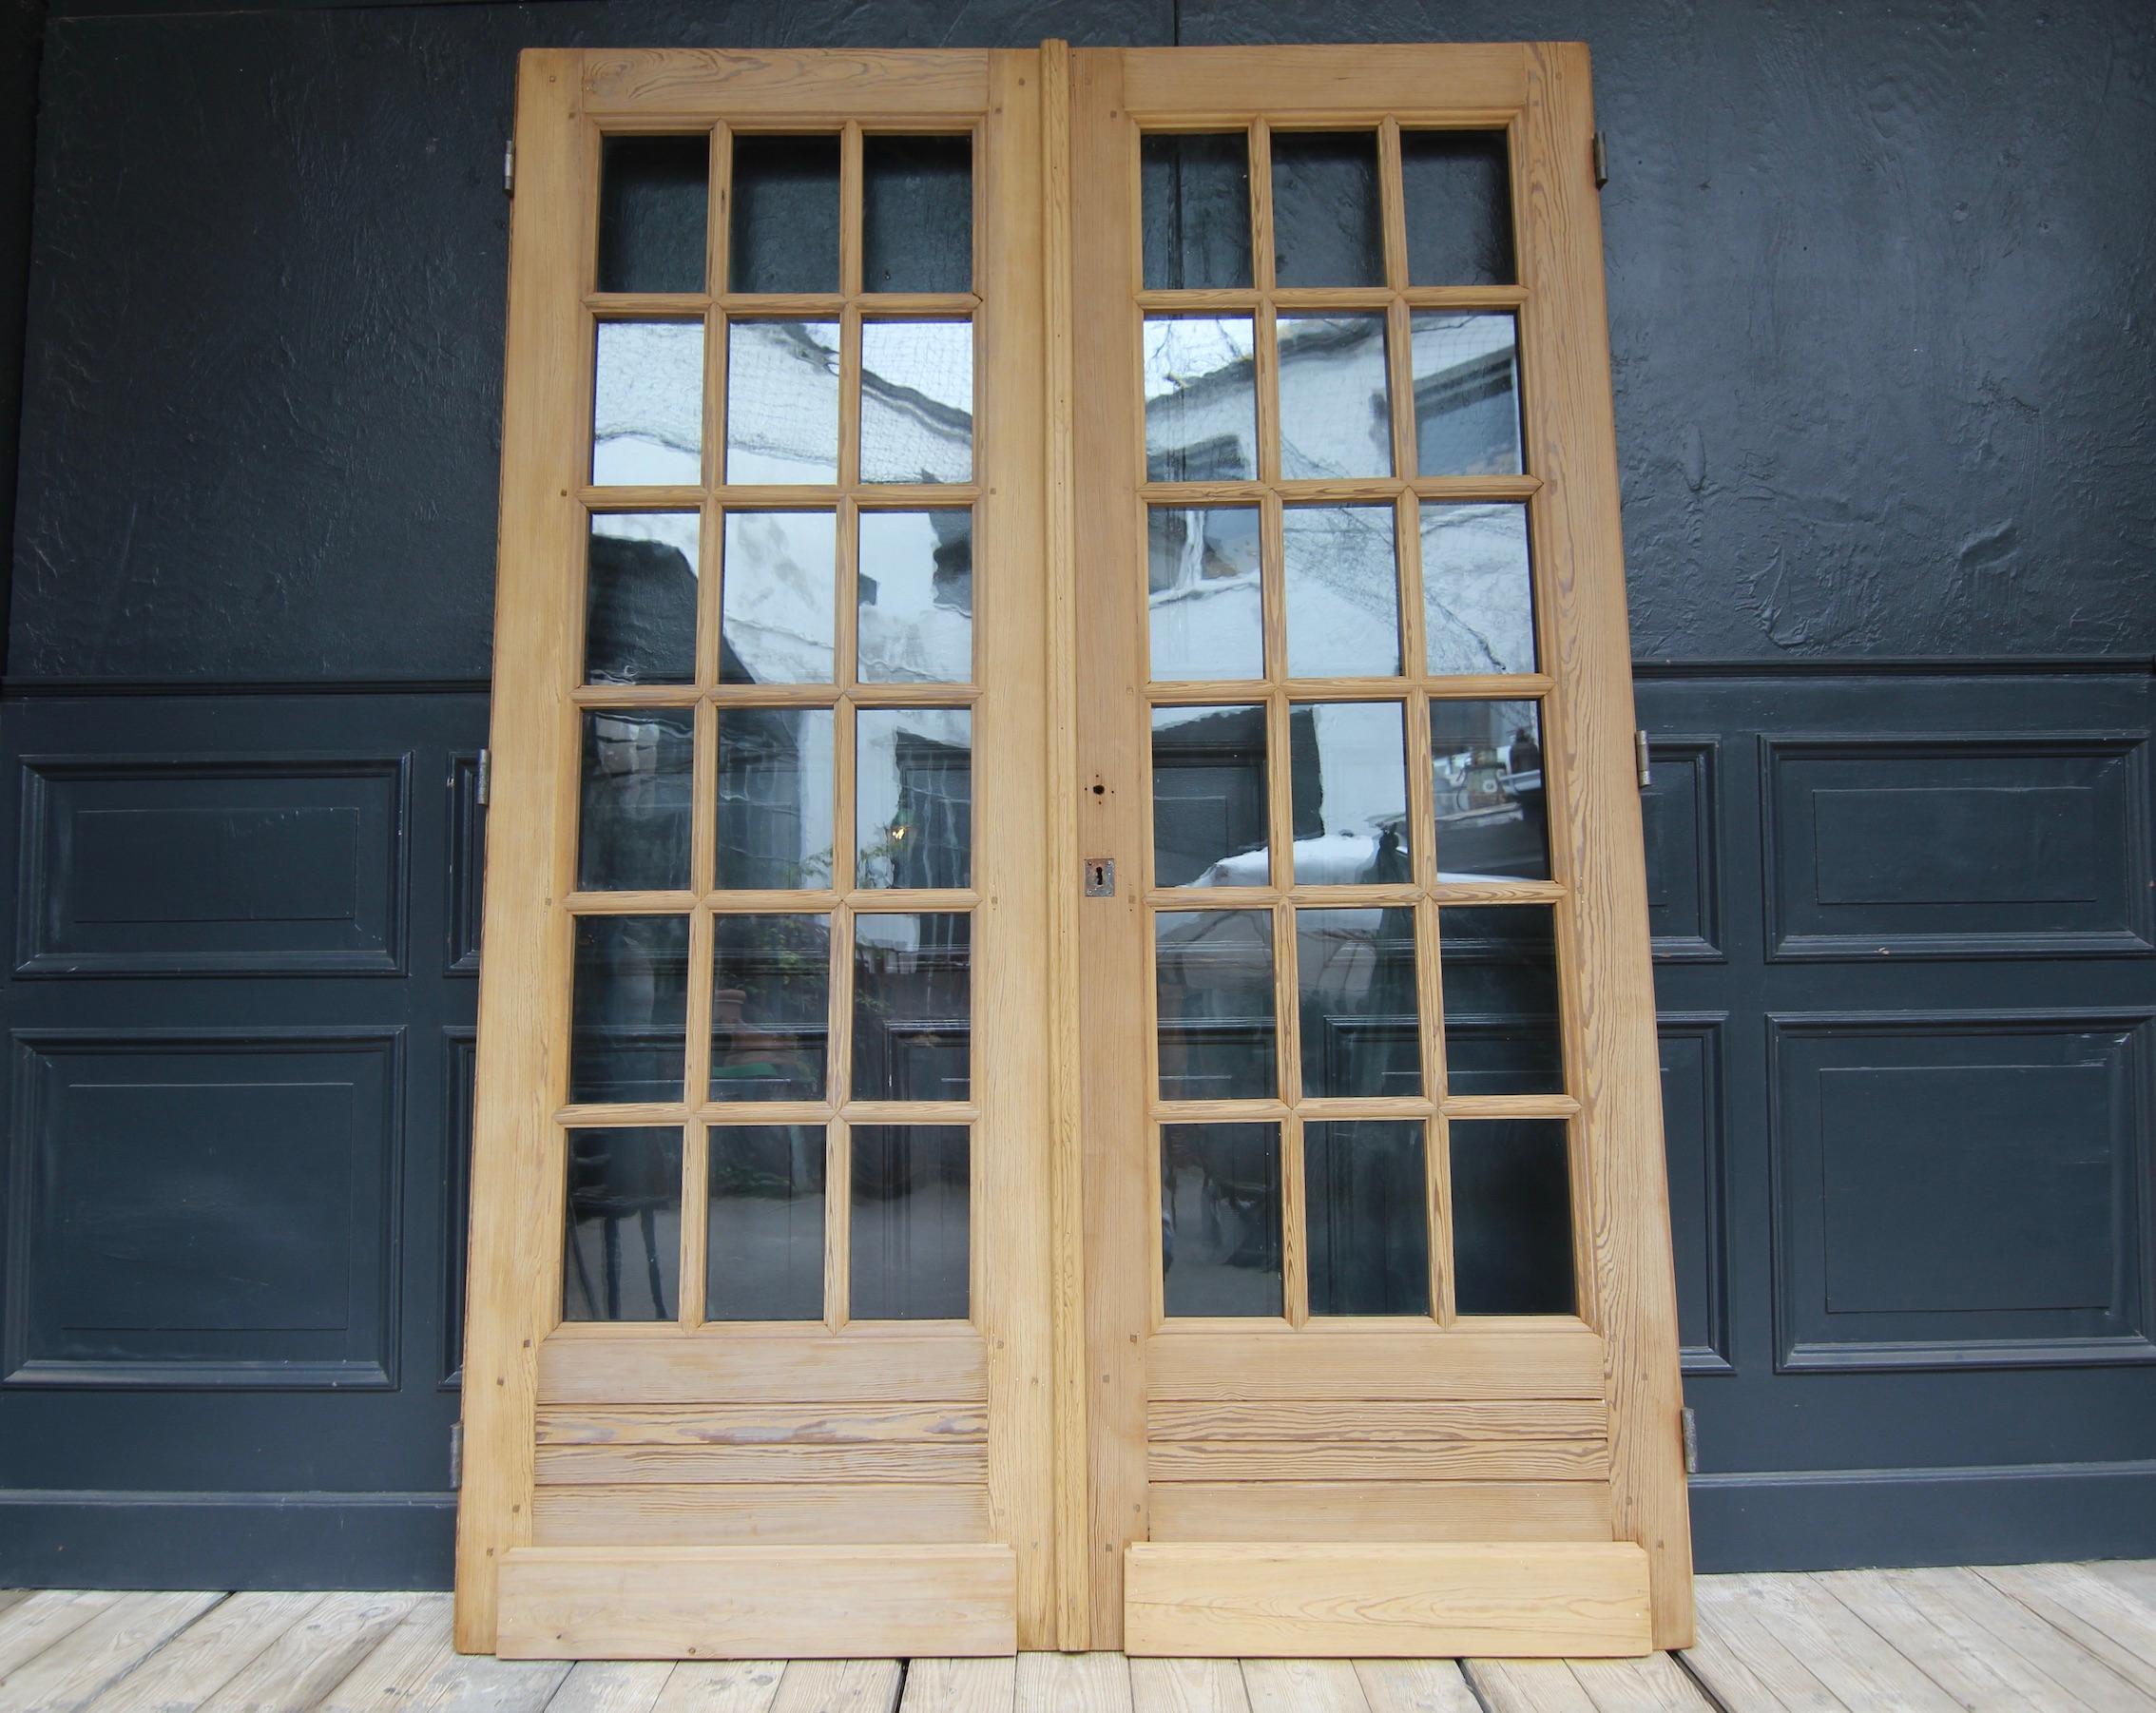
917	401
1467	393
770	1007
628	1010
1459	208
915	591
1477	596
653	194
1213	975
1486	758
622	1241
776	583
777	805
765	1242
914	1006
1499	965
1220	1218
1327	229
1335	419
1366	1204
1347	781
1511	1217
1195	190
1343	591
911	1212
647	405
784	234
782	401
1209	797
916	214
1362	1020
1201	398
639	583
913	796
1205	601
638	775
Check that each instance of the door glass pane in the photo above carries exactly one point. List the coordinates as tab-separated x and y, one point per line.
1343	591
1486	758
776	622
1367	1206
1213	973
917	401
639	598
1361	1033
1205	604
916	214
1511	1217
1326	226
1499	966
1336	415
1467	394
770	1007
912	1007
782	401
911	1215
784	235
621	1253
647	405
1220	1218
1347	779
629	1008
1209	806
633	826
913	796
1195	192
1459	208
1478	597
766	1248
776	802
653	192
915	595
1201	398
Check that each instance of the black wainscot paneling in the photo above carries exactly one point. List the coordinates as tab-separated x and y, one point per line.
467	864
460	1083
1680	810
1695	1134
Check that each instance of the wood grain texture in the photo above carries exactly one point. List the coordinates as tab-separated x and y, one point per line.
960	1685
715	1368
962	1461
769	1513
1435	1366
211	1652
1416	1686
1379	1421
764	1424
1073	1683
1315	81
1188	1686
1260	1460
833	85
839	1686
1381	1511
314	1655
1303	1686
73	1671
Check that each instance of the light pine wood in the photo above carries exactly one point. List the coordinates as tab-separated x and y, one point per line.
712	1368
316	1654
1073	1683
722	1686
1262	1460
766	1514
960	1685
1381	1511
1303	1686
1654	1684
1529	1686
611	1687
72	1671
1188	1686
1377	1422
839	1686
757	1424
1351	85
207	1655
944	86
1415	1686
1346	1369
962	1461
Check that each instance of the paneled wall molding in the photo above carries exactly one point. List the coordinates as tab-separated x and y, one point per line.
1696	1128
1682	812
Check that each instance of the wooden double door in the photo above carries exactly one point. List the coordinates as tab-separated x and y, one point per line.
1067	1053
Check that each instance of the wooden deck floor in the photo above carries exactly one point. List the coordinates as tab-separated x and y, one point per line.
2029	1636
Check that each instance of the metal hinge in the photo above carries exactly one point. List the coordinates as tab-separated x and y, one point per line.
1601	150
1640	758
1099	876
457	1453
483	787
1691	1430
508	167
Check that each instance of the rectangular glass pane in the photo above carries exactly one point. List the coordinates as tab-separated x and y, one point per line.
1347	779
1327	229
1213	975
1511	1217
1220	1218
1467	394
1486	759
770	1007
1499	966
1477	596
914	1007
1195	192
765	1242
784	235
638	773
917	401
917	214
782	401
911	1211
653	194
1336	415
628	1028
621	1247
1459	208
913	796
640	571
1204	600
1343	591
1201	398
1209	797
777	803
647	405
777	583
1361	1020
915	595
1366	1203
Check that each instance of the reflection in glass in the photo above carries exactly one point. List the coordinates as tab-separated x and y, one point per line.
1500	980
913	1006
917	401
1355	975
1220	1218
784	235
1209	807
622	1183
628	1009
1343	591
916	214
1477	598
770	1007
1195	190
913	796
1201	398
652	195
782	401
637	775
1366	1204
911	1210
647	405
1347	781
1326	226
639	598
1213	971
1486	758
776	802
1511	1217
1335	419
765	1254
1459	208
1205	601
777	624
1467	394
915	595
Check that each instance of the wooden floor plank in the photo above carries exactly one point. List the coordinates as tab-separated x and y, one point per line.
722	1686
1188	1686
960	1687
611	1687
403	1664
2135	1577
2087	1610
1303	1686
1974	1677
1073	1683
71	1672
209	1654
1838	1648
1654	1684
314	1656
1744	1663
1415	1686
1527	1686
32	1626
839	1687
1986	1621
